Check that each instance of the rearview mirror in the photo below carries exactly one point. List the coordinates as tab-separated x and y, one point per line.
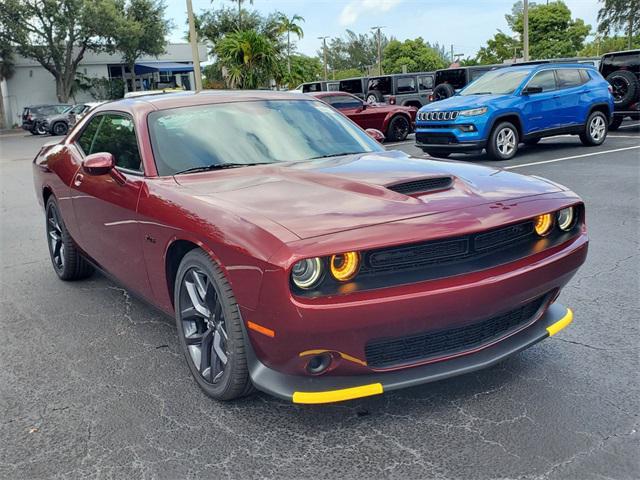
376	134
99	163
532	90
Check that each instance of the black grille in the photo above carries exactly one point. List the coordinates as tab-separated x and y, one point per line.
443	252
422	185
425	346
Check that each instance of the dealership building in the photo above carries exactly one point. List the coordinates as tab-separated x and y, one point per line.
31	84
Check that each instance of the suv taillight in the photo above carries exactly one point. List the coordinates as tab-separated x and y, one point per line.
431	98
392	100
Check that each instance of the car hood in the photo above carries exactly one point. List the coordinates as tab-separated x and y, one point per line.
326	196
462	101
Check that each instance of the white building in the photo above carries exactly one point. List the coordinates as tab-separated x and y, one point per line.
31	84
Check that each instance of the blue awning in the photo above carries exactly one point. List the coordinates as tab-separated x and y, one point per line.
150	67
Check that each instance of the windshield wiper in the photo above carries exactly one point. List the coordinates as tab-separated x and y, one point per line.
480	93
335	155
219	166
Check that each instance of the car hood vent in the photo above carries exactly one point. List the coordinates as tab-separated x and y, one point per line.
422	185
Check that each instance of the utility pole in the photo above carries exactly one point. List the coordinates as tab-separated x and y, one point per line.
378	29
193	36
452	53
525	35
324	55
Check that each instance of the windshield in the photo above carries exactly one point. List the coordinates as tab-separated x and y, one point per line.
497	82
252	132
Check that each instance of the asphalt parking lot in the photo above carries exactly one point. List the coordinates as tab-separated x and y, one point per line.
93	382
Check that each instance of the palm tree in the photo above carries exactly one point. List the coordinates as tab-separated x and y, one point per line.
249	58
240	2
288	25
7	69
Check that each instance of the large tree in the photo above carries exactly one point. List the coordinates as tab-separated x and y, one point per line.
288	26
499	48
142	30
353	51
602	45
414	55
7	68
58	33
552	31
248	57
620	14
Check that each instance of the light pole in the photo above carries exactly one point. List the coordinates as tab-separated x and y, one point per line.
193	36
525	33
324	55
378	28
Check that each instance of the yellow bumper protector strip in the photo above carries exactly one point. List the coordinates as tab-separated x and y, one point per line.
346	356
560	324
337	395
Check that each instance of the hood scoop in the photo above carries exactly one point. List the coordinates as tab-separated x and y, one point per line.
421	185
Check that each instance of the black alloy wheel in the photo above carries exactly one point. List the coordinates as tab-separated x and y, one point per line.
209	327
59	128
398	129
67	261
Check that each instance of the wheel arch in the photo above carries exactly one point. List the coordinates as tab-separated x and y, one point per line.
600	107
391	116
176	250
47	191
507	117
413	103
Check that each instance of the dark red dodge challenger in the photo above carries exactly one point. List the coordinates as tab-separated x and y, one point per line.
296	254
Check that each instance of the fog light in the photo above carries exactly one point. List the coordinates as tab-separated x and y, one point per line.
345	266
543	224
319	363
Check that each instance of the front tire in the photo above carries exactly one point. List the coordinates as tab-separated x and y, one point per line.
67	261
595	130
503	141
398	128
59	128
210	328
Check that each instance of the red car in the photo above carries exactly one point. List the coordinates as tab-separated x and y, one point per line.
395	121
296	254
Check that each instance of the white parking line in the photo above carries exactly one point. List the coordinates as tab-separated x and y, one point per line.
631	125
623	136
571	158
399	143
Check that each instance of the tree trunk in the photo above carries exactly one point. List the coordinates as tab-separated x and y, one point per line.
63	89
2	122
289	54
132	68
630	30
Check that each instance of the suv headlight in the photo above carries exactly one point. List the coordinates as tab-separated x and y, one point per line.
473	112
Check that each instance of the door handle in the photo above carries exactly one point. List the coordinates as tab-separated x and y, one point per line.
78	179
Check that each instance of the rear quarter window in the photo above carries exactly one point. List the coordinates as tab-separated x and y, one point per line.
456	77
351	86
382	84
406	85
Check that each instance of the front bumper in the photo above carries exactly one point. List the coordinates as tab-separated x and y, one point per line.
452	147
327	389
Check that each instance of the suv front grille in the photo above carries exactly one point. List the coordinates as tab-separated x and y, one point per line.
437	116
431	345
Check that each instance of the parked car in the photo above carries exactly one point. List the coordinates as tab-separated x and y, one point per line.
518	104
622	71
411	90
296	254
33	114
58	124
395	121
319	86
450	80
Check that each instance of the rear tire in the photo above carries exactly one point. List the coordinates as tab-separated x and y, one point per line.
67	261
398	129
59	128
442	91
210	328
616	122
374	96
503	141
595	130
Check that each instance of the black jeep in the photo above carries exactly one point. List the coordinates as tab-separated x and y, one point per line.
622	71
450	80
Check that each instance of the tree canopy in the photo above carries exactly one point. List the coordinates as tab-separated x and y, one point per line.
415	55
353	51
603	45
618	15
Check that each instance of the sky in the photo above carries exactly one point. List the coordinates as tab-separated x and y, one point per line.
467	24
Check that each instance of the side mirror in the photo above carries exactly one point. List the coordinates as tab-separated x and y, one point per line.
532	90
99	163
376	134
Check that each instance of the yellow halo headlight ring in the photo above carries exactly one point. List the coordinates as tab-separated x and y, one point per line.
543	224
344	266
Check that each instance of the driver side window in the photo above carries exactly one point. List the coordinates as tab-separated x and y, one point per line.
115	134
545	80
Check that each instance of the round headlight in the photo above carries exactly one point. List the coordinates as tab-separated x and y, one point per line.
345	266
543	224
306	273
566	218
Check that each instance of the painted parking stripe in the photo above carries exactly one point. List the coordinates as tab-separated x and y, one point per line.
631	125
623	136
571	157
399	143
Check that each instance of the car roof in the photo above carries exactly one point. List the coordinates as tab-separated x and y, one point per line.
205	97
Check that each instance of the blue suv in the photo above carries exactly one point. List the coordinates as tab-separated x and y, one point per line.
517	104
